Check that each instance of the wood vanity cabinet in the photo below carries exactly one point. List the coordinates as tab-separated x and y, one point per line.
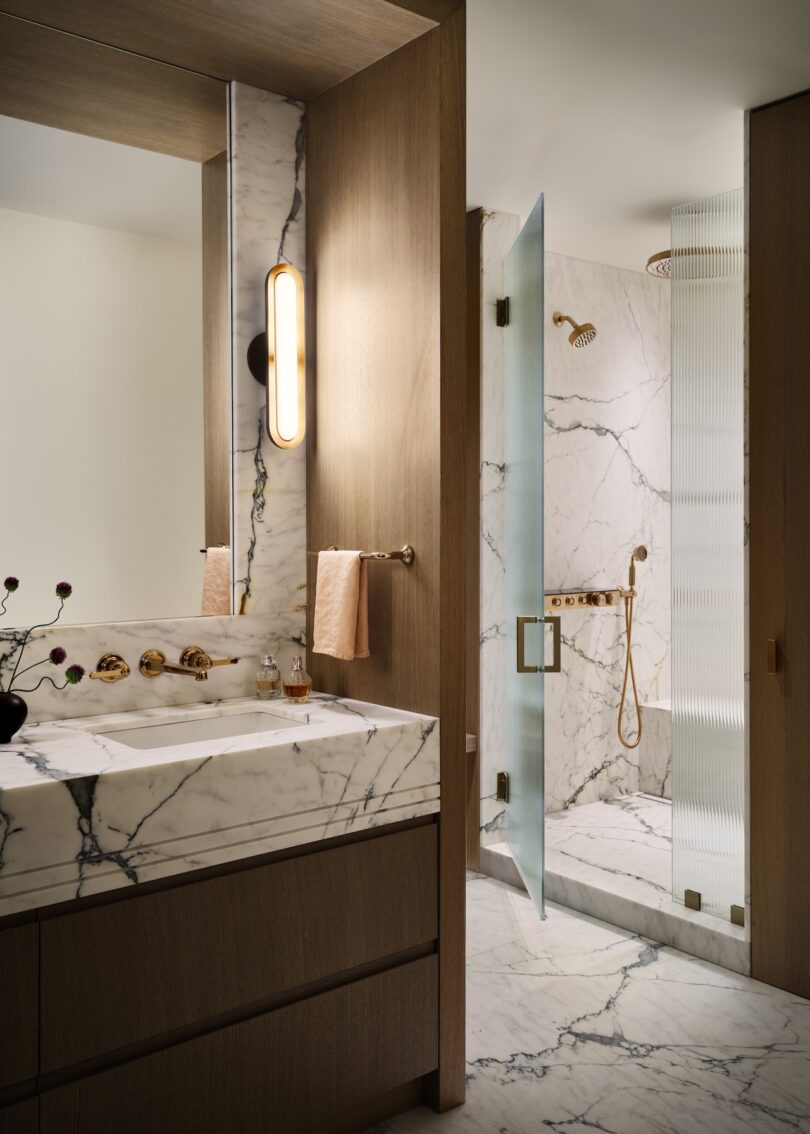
274	994
18	998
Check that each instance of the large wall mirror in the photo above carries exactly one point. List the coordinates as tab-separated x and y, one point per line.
114	323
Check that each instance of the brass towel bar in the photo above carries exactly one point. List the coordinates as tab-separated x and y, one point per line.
405	554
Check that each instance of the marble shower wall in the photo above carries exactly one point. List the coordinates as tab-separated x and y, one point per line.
269	514
607	466
607	488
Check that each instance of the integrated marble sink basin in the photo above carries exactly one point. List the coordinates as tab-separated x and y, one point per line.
207	724
98	803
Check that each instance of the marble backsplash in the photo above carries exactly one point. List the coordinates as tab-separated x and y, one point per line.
607	488
269	513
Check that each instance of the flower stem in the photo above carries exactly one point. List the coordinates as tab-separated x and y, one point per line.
41	680
28	633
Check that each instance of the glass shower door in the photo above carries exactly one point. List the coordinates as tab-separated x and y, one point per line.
524	553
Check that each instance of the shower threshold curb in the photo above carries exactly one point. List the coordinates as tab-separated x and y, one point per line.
701	935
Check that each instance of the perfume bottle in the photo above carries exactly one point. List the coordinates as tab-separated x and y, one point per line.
268	679
297	683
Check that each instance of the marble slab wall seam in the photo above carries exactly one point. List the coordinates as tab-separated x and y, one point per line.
607	488
267	133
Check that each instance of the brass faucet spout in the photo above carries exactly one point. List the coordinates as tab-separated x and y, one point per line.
153	663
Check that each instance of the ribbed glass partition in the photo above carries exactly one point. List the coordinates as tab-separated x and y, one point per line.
708	627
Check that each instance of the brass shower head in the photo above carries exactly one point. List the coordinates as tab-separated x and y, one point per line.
637	555
583	333
660	264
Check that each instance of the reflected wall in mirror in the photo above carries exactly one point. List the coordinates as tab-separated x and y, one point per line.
115	447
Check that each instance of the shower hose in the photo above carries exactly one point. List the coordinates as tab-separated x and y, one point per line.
629	674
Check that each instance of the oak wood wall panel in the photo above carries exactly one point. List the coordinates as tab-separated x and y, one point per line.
134	969
62	81
19	999
472	473
290	1071
216	351
779	368
373	474
292	47
386	274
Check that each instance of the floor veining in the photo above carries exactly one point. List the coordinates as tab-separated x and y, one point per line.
575	1026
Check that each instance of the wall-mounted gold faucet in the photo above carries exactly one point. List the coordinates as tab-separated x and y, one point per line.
194	662
110	667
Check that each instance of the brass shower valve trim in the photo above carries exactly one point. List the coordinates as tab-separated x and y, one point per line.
557	601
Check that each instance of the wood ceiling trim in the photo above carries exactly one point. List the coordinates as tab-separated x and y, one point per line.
297	48
73	84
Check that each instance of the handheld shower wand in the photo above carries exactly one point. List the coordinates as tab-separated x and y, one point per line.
638	555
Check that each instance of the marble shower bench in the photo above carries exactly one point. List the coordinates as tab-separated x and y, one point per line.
82	813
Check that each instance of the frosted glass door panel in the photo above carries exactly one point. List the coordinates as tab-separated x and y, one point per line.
708	564
524	554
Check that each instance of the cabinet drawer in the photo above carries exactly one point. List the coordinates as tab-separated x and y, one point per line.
18	997
123	972
21	1118
285	1072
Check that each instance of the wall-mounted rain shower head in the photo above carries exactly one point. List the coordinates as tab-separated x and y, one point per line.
583	333
660	264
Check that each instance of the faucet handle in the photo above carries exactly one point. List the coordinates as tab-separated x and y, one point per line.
111	667
194	657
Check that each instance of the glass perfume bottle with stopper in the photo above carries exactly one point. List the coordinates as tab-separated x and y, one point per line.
297	683
268	679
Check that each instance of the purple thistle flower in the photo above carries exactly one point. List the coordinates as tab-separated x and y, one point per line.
74	674
11	582
57	655
64	590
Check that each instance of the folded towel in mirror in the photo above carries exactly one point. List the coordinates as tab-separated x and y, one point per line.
216	598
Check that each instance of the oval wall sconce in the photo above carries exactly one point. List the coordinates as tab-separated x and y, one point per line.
276	358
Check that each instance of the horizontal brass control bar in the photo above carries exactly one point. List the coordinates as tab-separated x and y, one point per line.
557	601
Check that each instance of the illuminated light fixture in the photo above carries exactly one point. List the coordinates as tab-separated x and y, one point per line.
276	358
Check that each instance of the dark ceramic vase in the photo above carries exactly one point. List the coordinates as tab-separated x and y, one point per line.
13	711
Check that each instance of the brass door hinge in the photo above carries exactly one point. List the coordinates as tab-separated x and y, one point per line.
502	789
502	312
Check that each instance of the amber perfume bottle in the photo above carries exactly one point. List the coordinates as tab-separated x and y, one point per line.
297	683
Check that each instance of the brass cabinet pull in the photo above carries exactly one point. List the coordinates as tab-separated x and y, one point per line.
556	663
772	656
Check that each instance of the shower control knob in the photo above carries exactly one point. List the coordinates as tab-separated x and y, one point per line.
597	598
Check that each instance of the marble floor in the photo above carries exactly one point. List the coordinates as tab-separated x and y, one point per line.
613	859
575	1026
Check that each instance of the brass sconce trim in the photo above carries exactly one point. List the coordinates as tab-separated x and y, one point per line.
263	360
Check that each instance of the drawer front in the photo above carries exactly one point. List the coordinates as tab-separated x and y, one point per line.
285	1072
18	997
22	1118
130	970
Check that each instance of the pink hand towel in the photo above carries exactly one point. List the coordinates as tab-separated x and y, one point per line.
341	606
217	581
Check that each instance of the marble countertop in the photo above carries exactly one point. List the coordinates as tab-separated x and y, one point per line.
81	813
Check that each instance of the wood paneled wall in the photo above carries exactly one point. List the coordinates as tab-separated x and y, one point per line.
386	286
216	351
779	368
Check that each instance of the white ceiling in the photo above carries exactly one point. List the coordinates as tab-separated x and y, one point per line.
55	173
620	109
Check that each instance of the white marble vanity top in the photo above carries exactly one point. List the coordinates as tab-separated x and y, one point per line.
81	812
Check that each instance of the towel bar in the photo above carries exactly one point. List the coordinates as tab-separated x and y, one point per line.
405	555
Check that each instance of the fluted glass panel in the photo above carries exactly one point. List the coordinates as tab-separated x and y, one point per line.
708	660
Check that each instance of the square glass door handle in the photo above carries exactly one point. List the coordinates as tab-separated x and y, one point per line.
554	621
